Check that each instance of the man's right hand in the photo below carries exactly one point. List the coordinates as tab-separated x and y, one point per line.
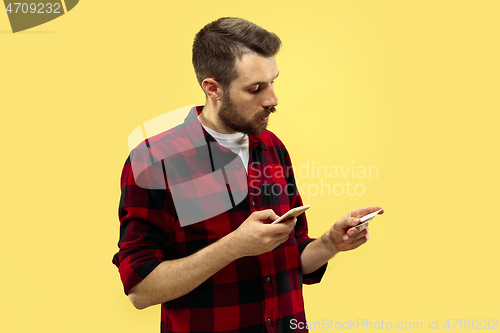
254	237
169	280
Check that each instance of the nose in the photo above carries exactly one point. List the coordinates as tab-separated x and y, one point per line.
271	99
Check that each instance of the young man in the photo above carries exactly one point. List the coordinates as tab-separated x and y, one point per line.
197	202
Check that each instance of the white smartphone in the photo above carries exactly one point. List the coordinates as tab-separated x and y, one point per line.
367	218
294	212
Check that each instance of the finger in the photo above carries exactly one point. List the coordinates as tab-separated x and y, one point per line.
285	238
354	222
357	228
349	223
358	235
354	244
280	238
345	223
291	220
264	215
283	227
354	233
289	224
365	211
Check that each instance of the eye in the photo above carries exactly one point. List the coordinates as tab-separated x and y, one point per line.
255	91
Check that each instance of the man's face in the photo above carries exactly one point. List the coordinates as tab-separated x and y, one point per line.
250	100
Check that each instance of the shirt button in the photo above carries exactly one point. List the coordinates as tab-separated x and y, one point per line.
269	321
268	279
253	202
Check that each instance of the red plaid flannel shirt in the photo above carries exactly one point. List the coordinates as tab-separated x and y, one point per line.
252	294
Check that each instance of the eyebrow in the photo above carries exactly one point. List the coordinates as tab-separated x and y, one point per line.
261	82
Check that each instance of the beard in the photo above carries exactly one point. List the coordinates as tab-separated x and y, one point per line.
230	115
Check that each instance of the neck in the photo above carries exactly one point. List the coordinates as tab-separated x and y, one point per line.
209	117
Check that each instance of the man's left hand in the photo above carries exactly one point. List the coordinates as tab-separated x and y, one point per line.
344	235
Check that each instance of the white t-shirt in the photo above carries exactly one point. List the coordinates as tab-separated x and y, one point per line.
238	143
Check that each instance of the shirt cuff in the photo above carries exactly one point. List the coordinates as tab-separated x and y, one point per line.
317	275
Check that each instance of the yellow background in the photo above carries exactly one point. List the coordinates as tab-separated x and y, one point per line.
410	87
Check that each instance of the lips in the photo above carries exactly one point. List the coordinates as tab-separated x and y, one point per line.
266	113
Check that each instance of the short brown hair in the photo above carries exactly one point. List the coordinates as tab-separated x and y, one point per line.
217	45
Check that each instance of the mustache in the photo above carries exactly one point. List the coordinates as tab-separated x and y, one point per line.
267	111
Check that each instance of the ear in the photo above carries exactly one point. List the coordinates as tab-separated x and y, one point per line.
212	89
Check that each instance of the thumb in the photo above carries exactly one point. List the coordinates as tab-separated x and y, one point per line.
264	215
347	222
